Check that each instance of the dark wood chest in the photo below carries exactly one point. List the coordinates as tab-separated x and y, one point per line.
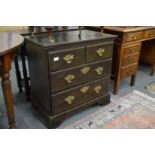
69	74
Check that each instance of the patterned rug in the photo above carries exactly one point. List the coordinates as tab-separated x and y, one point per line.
134	111
151	87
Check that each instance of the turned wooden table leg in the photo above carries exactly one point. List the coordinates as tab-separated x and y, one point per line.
153	69
9	44
6	87
133	79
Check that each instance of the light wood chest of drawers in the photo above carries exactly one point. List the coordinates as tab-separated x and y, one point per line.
69	74
133	43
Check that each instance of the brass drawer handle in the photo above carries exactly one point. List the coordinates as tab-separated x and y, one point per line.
97	89
85	70
69	99
100	52
134	37
68	58
69	78
84	89
99	70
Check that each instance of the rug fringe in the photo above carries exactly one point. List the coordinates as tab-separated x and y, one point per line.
142	94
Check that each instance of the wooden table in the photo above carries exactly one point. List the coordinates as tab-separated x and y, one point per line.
132	43
9	43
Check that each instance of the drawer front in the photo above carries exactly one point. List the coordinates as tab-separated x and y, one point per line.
149	33
133	36
73	77
131	59
99	52
79	95
132	49
128	71
65	59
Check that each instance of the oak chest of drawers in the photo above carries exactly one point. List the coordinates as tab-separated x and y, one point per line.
69	74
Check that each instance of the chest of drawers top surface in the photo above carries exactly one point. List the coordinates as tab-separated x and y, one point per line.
128	28
67	37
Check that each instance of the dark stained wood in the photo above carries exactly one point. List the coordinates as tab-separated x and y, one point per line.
9	43
67	58
53	83
99	52
59	83
54	121
82	94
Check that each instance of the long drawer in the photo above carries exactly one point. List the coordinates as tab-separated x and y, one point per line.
79	95
66	58
66	79
99	52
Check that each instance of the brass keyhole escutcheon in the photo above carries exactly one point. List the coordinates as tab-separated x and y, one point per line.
99	70
100	52
85	70
84	89
97	89
70	99
68	58
69	78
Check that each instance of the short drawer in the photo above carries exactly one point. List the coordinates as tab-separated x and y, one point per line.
132	49
128	71
67	58
132	36
149	33
99	52
66	79
79	95
134	58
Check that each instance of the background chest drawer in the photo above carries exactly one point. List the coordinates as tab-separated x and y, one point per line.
132	36
132	49
68	58
98	52
79	95
149	33
131	59
79	75
128	71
